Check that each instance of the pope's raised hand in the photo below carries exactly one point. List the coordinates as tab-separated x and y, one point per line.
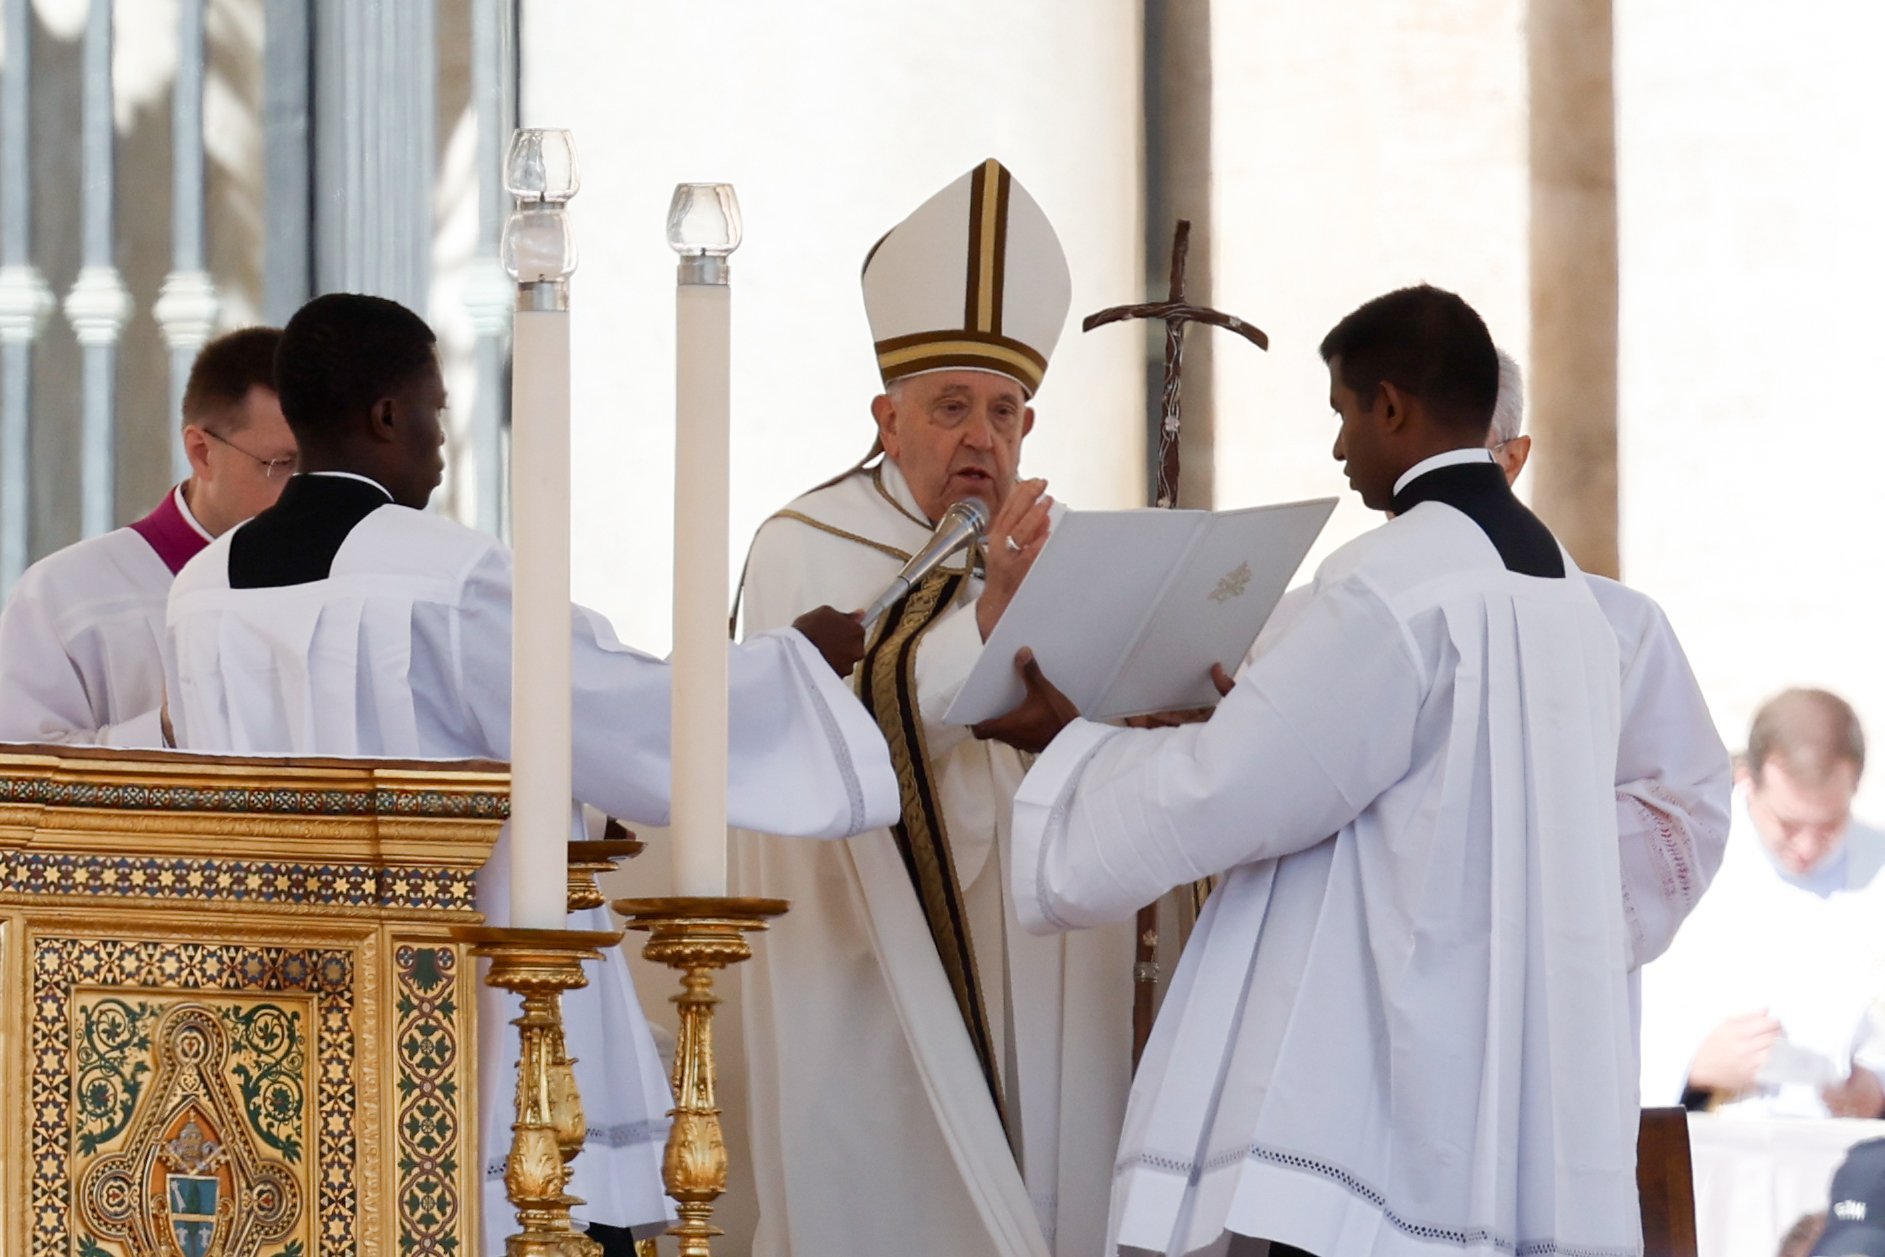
839	636
1015	538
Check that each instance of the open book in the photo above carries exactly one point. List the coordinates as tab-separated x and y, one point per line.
1128	610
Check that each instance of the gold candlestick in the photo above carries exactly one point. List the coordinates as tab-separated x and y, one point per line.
589	860
696	936
540	965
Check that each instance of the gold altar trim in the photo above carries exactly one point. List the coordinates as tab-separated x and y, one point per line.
328	836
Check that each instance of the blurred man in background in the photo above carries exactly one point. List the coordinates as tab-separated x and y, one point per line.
1765	1005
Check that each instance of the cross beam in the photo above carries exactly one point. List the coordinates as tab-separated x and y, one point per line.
1175	313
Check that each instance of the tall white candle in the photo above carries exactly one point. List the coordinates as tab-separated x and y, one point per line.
540	618
702	420
540	255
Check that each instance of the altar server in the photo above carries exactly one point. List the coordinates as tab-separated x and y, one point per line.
1411	1037
961	1080
348	621
1674	776
81	638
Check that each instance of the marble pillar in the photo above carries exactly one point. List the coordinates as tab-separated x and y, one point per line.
1573	360
1178	185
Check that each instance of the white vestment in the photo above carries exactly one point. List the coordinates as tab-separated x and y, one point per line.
404	651
1674	776
1411	1038
1808	950
872	1120
81	643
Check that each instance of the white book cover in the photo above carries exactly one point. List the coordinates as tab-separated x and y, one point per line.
1127	610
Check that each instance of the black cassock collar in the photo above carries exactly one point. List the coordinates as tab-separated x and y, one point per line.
294	541
1479	492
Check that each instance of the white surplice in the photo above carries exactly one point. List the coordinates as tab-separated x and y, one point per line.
1809	950
81	643
871	1119
1674	776
1411	1038
404	651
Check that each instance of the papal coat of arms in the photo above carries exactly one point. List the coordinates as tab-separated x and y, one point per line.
191	1171
190	1180
1232	584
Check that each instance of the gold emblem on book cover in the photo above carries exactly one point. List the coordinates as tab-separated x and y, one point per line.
1232	584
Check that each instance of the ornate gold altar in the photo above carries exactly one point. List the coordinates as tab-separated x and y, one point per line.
233	1020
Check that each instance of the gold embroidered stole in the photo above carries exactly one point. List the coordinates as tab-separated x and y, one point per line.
886	683
887	686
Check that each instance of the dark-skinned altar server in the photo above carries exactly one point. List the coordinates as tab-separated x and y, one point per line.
1674	777
1402	1027
349	621
963	1080
81	638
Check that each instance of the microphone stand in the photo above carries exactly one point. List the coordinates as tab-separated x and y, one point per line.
962	523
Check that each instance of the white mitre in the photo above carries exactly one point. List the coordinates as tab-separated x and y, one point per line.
974	280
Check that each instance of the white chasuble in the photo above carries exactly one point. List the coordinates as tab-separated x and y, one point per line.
1410	1038
923	1072
81	638
395	641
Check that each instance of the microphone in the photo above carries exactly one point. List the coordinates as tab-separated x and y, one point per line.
962	523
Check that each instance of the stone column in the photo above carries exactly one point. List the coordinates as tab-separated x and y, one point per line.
25	300
287	164
375	116
490	294
98	305
1573	368
186	310
1178	185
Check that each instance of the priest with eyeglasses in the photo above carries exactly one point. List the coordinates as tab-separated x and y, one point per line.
81	638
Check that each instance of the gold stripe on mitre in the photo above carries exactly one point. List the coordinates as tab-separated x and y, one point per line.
948	349
988	241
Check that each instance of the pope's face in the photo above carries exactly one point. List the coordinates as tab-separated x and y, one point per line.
1802	826
955	435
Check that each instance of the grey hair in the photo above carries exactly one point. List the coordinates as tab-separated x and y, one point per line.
1508	410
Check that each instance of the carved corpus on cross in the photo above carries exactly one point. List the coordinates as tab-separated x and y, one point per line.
1175	314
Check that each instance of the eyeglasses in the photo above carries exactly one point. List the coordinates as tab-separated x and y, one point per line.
285	464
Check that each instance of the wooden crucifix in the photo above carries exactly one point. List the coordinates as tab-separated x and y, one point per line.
1175	315
1164	493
